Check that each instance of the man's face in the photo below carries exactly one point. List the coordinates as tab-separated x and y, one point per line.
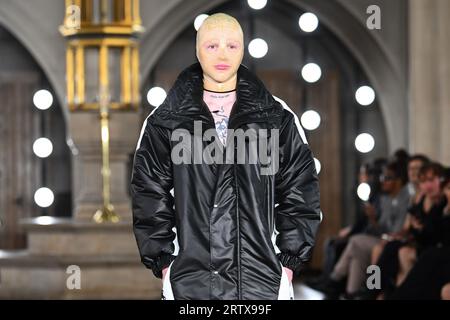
413	170
220	51
388	181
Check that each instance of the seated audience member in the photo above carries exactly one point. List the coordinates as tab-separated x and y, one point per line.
415	163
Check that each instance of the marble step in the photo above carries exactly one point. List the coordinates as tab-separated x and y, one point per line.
27	276
60	236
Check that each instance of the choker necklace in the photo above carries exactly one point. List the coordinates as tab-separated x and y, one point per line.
219	91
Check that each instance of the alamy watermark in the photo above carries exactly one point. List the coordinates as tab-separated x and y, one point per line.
73	281
73	17
374	279
373	22
263	147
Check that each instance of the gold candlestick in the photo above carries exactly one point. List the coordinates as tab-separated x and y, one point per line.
106	213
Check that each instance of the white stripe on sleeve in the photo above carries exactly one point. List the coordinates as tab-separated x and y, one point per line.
297	122
143	129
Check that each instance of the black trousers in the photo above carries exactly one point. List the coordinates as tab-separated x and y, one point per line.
426	279
389	265
333	250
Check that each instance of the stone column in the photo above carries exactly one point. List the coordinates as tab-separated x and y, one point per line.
87	180
429	66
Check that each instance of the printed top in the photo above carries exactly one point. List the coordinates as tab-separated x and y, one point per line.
220	104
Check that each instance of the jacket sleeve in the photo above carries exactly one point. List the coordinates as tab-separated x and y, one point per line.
297	197
152	202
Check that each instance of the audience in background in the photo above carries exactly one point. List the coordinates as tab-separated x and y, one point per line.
334	246
429	277
404	229
355	259
421	229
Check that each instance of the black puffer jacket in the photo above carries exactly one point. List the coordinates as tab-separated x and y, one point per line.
215	225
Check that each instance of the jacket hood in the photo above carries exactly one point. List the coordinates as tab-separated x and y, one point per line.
184	102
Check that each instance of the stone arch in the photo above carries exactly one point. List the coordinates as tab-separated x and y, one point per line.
375	59
44	50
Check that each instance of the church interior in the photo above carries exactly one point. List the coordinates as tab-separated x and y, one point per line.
369	81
